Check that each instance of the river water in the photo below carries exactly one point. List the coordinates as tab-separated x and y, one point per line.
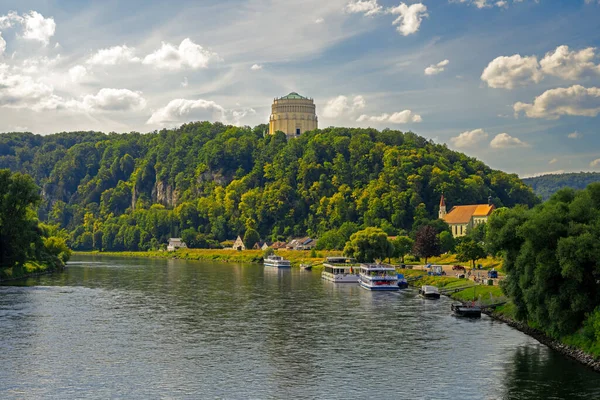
139	328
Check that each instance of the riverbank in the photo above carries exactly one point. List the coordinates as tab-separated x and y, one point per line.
296	257
504	314
462	290
487	295
29	270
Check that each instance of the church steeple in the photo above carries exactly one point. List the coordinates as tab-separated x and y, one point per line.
442	212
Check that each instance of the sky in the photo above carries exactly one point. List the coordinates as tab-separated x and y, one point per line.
515	83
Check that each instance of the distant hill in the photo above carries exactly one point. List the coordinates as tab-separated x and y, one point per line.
208	182
546	185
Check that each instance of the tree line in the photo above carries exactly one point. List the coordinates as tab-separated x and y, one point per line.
23	239
210	182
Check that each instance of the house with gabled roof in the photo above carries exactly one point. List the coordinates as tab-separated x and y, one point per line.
462	218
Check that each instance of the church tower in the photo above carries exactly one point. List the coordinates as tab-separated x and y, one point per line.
442	212
293	115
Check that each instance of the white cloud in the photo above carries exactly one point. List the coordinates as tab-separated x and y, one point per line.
570	65
319	20
435	69
113	100
256	67
185	82
575	135
592	1
553	161
504	140
366	7
77	73
469	138
401	117
409	17
595	163
180	110
2	44
509	72
21	91
113	56
37	64
36	27
188	54
575	100
488	3
341	105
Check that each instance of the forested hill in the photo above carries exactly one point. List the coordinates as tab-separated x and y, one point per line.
546	185
134	191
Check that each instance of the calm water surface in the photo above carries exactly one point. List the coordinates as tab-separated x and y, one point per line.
135	328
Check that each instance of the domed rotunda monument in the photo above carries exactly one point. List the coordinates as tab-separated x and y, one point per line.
293	115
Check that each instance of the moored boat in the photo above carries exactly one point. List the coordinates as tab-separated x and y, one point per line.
378	277
274	261
466	310
402	282
306	267
429	292
340	270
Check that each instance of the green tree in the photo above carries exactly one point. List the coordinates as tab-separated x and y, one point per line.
447	242
551	255
402	246
331	240
427	243
469	250
368	245
268	252
19	236
251	237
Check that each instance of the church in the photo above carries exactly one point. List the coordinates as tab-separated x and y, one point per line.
461	218
293	115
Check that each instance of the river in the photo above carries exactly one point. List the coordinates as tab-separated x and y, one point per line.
142	328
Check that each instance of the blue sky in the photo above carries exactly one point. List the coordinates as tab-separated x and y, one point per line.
514	83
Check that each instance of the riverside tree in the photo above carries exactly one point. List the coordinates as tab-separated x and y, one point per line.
368	245
402	246
22	238
551	258
469	250
427	243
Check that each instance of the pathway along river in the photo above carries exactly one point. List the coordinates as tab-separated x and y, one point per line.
140	328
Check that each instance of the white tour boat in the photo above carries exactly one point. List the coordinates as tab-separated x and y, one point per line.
340	270
378	277
276	262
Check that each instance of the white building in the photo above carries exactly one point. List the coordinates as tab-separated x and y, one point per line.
175	244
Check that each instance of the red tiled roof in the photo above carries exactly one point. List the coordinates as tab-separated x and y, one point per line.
463	214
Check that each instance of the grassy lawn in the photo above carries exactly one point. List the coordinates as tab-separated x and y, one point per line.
450	259
296	257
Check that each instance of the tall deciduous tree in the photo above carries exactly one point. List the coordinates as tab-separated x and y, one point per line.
427	243
551	258
469	250
402	246
368	245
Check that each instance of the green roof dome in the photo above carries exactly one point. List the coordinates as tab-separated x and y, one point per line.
293	95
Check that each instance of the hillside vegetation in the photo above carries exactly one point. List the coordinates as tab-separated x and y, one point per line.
210	182
546	185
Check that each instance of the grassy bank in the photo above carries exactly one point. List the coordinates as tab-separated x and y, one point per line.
296	257
450	259
482	293
29	269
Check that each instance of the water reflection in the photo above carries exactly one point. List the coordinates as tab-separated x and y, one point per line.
170	328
